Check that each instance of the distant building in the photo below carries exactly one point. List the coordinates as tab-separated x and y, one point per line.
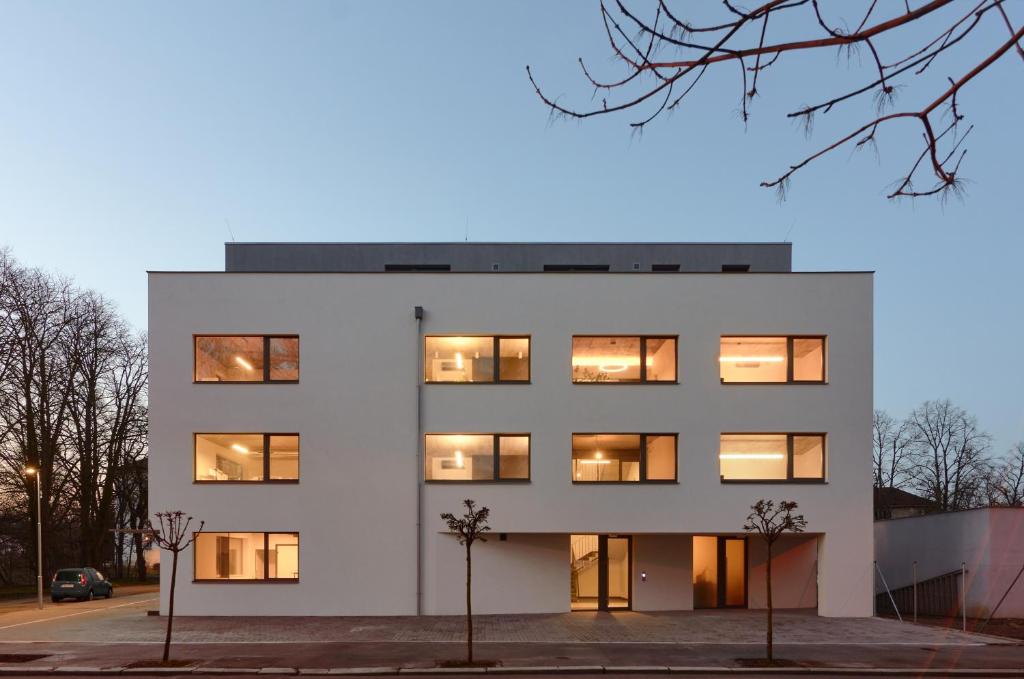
893	503
989	541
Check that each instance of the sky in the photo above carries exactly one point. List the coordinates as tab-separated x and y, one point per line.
142	136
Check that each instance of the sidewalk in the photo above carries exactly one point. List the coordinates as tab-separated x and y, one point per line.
108	639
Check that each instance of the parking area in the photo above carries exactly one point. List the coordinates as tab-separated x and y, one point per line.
119	632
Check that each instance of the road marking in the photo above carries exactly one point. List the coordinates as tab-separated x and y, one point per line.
71	615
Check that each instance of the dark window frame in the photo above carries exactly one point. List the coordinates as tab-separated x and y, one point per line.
496	358
266	562
789	457
789	359
495	450
643	360
266	357
266	458
643	459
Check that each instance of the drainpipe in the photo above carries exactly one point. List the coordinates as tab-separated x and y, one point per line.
418	313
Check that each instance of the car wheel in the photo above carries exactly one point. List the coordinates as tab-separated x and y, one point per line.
89	596
110	592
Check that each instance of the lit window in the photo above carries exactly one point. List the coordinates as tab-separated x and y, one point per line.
471	359
246	556
772	359
623	458
220	358
617	359
772	457
243	458
477	457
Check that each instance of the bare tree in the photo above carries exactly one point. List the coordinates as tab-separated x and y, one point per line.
1005	484
770	522
469	528
892	448
73	381
748	42
950	455
173	536
35	396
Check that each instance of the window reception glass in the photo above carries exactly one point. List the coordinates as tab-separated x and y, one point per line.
623	458
246	556
619	359
246	458
748	360
772	457
246	358
229	359
472	359
477	457
753	359
229	457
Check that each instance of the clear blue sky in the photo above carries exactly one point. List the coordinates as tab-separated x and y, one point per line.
131	134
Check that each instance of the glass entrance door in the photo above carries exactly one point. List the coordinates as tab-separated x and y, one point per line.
601	572
719	572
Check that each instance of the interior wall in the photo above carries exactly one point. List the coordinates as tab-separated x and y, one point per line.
794	572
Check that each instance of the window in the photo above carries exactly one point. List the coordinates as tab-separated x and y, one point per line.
471	359
749	360
477	457
623	359
623	458
246	557
246	458
246	358
772	457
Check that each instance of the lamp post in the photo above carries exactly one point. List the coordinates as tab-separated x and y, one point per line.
32	471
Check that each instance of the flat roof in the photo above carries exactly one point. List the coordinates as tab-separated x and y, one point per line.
506	257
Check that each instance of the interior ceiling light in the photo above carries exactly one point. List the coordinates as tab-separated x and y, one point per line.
751	456
242	362
602	361
240	448
751	359
594	461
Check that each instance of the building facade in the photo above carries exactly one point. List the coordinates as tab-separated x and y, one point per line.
618	407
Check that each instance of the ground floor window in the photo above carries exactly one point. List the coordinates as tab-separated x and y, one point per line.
246	556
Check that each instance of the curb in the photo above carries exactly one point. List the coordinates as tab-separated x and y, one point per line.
9	670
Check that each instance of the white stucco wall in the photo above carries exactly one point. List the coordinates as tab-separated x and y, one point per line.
355	408
990	541
794	572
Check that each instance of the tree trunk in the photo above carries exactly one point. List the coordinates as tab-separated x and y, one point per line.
140	557
769	588
170	608
469	603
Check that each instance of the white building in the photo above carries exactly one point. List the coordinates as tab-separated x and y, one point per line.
320	405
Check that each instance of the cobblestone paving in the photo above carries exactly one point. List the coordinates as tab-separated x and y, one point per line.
130	624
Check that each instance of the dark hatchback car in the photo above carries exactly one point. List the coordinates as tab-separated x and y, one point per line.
84	584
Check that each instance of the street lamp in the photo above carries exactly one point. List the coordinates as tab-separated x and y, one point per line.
32	471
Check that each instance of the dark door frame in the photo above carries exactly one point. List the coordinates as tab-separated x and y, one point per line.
602	572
